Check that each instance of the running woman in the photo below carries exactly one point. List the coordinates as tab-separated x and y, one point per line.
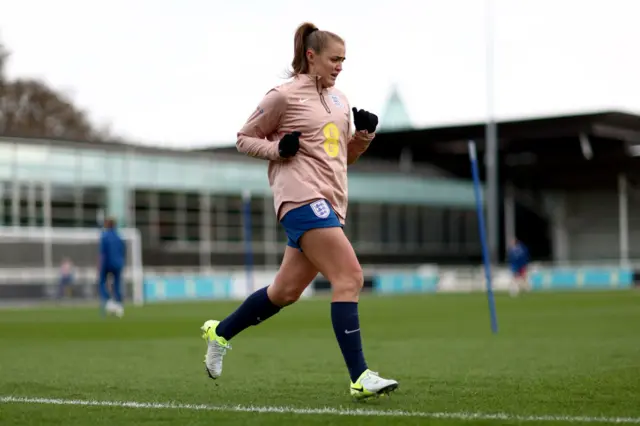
303	128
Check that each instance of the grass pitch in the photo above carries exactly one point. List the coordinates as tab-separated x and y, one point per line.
559	358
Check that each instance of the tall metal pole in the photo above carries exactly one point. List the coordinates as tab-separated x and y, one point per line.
491	140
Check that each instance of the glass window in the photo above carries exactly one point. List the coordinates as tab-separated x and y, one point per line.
234	219
93	166
146	215
392	223
31	154
5	203
168	170
142	169
192	216
167	216
368	223
116	169
431	227
410	220
63	206
472	232
63	158
6	153
92	202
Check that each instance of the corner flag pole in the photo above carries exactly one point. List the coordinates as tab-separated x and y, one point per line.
473	158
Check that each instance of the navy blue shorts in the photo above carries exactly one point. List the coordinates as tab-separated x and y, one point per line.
318	214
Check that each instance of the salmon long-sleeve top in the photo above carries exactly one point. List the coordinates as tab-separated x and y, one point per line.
327	143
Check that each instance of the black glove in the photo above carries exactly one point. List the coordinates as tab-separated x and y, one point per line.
289	144
365	120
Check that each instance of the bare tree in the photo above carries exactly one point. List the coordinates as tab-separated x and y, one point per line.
30	108
4	55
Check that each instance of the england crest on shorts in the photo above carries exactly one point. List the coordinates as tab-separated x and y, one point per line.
321	209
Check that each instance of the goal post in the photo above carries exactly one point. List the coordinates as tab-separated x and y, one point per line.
32	256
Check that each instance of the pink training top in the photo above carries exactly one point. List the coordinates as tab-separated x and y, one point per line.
319	169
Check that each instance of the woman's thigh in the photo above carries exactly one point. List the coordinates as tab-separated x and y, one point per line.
331	252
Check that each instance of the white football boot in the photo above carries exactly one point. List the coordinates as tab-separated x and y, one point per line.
216	349
370	384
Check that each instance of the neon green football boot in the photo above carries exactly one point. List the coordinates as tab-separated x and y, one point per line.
216	348
370	384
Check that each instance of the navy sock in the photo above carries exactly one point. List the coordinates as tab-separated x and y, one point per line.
255	309
346	326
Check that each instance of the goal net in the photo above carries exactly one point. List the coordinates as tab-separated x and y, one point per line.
31	261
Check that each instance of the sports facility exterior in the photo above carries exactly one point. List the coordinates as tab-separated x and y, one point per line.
567	186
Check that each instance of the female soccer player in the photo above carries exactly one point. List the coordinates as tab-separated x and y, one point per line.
303	129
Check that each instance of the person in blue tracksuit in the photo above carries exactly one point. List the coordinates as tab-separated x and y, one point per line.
112	262
518	259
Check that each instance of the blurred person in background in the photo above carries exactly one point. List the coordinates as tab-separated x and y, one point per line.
303	128
518	259
112	263
66	278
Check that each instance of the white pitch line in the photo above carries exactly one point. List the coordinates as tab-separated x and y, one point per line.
321	411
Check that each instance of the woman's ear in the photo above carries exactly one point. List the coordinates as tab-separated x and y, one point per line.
310	56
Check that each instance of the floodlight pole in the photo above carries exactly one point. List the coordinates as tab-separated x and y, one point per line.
491	142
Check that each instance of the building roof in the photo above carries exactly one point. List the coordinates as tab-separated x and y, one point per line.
552	151
564	150
64	164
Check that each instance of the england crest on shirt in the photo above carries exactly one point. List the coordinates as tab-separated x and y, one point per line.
336	100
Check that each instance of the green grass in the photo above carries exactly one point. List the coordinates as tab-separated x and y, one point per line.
570	354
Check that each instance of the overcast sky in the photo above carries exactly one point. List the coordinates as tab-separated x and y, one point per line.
186	73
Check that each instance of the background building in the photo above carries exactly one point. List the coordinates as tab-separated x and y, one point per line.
568	187
187	205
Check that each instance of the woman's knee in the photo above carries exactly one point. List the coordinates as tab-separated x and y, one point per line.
347	283
294	276
283	295
287	289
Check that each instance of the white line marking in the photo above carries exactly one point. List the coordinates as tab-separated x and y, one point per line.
316	411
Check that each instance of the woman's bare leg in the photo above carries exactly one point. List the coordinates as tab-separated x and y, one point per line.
294	276
331	252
